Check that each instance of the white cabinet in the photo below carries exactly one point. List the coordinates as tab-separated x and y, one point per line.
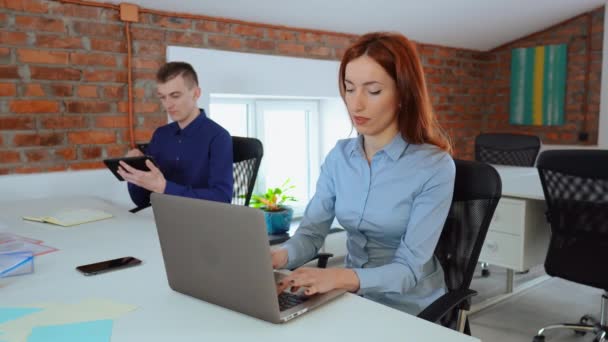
518	234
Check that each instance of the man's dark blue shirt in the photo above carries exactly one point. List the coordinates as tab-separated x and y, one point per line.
196	161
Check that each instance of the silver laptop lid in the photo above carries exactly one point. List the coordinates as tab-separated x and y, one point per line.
218	253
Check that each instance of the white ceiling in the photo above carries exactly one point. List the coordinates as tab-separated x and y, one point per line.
474	24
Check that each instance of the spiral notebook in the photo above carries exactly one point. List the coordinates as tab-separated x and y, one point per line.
71	217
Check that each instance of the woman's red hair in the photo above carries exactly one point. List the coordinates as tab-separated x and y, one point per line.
397	55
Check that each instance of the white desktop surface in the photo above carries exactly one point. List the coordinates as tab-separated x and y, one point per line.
520	182
165	315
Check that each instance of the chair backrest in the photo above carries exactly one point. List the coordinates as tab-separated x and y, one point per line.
247	156
507	149
477	190
575	184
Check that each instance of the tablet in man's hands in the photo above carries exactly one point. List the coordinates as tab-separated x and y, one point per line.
135	162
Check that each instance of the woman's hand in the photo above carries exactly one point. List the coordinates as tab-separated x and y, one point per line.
319	280
279	258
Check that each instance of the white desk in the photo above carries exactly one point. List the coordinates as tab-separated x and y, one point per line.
165	315
519	234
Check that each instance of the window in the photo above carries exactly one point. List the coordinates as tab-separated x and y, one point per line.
289	131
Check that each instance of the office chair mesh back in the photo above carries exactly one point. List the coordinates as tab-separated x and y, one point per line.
477	190
507	149
247	156
575	184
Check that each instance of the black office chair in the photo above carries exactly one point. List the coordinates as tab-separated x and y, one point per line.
477	190
506	149
247	156
575	184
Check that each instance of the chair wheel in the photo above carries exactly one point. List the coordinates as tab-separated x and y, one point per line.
585	319
485	272
538	338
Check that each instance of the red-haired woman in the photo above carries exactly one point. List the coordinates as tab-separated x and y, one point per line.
390	188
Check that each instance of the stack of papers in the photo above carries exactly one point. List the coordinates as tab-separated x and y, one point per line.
12	243
71	217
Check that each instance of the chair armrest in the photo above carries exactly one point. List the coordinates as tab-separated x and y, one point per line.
136	209
447	303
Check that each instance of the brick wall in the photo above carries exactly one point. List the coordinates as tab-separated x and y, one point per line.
574	33
63	92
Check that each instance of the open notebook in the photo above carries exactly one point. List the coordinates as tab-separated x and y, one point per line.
72	217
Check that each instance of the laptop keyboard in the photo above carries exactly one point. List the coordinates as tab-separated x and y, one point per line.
289	300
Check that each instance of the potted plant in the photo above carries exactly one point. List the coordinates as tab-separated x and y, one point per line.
277	214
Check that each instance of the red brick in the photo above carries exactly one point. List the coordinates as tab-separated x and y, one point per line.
87	165
64	122
112	122
87	107
55	74
320	51
72	10
138	33
35	6
261	44
61	90
16	123
213	26
34	90
173	22
36	155
248	30
143	134
105	76
115	151
154	121
42	56
58	42
184	38
142	63
150	48
114	92
87	91
38	139
13	38
33	106
8	157
224	42
4	52
90	152
83	28
92	137
8	89
340	41
10	71
93	59
281	35
110	45
39	24
291	49
68	153
29	169
308	37
138	107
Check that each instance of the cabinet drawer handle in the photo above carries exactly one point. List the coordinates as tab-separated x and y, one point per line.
492	246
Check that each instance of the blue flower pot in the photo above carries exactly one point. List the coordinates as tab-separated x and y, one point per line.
278	222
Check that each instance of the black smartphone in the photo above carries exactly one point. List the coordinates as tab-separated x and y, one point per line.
135	162
108	265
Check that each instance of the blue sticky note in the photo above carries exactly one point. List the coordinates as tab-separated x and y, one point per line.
9	314
93	331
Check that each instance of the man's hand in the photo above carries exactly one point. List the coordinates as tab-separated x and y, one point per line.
134	153
152	180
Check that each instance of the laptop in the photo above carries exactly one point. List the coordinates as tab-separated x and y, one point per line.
220	253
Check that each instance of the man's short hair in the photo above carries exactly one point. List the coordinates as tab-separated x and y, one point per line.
171	70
